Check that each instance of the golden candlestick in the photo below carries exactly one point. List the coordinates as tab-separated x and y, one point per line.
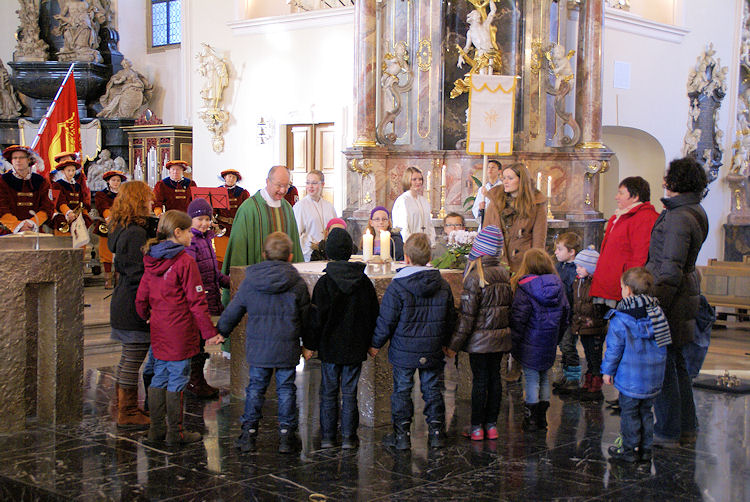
549	210
442	213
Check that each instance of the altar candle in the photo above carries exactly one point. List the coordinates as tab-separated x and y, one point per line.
367	241
442	176
549	187
539	181
429	182
385	244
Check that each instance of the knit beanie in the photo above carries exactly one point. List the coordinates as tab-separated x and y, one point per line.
587	259
488	242
199	207
379	208
335	221
339	245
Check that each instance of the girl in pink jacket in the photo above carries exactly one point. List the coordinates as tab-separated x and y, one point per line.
171	295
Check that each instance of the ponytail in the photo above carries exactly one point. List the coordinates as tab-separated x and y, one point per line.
168	223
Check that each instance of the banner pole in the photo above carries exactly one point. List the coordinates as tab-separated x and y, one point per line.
51	108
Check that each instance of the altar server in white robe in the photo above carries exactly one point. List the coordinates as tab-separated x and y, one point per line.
411	210
493	179
312	212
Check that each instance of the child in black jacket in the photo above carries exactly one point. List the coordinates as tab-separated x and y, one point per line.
345	310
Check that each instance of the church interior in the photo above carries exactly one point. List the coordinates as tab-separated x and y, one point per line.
600	90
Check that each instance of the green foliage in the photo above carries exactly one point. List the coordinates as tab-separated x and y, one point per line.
470	200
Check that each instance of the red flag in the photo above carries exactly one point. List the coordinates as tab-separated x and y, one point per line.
60	130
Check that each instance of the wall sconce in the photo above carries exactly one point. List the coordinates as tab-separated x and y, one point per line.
265	130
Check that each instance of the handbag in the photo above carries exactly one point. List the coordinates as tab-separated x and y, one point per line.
79	232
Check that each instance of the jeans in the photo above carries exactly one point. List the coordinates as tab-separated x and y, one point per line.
674	407
333	377
592	348
255	396
568	349
486	387
431	383
172	375
536	385
148	368
636	422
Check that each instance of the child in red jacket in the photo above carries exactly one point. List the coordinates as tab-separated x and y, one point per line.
171	294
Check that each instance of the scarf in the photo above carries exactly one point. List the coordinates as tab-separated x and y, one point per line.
620	212
662	334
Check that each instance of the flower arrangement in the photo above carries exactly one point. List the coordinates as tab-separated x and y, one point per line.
459	245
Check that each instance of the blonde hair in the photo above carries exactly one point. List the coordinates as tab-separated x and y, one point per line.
168	223
406	178
639	280
319	174
535	262
524	201
278	247
417	248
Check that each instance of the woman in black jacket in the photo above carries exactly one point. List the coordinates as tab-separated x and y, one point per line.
676	239
129	223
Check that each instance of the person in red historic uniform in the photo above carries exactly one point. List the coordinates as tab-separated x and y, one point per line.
292	195
103	201
73	196
80	176
225	217
173	192
25	202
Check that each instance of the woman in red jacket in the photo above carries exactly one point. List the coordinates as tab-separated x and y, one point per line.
171	294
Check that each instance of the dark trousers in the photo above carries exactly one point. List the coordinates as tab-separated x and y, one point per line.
568	348
636	422
592	349
255	396
674	407
486	387
333	378
431	384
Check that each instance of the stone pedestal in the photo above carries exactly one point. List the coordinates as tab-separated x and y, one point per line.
42	344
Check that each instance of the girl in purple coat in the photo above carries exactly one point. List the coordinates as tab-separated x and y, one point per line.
202	250
539	317
171	295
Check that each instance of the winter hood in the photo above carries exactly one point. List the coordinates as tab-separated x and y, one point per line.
271	277
161	257
422	281
346	274
639	328
545	289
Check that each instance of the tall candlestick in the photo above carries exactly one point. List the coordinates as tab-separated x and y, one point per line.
539	181
385	245
550	216
442	176
549	187
429	183
367	243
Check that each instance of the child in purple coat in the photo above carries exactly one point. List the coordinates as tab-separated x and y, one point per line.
202	250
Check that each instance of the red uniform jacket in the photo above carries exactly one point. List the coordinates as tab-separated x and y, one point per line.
103	201
18	197
237	195
171	293
70	197
172	194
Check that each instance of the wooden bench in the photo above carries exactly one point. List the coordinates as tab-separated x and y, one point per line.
727	284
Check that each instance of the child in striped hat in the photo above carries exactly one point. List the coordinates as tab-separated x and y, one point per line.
483	330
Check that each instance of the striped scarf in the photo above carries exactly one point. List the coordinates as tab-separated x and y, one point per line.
662	334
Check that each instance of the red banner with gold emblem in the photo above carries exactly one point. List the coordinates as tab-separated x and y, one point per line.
60	130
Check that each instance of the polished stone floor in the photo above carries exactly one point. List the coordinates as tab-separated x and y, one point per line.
95	461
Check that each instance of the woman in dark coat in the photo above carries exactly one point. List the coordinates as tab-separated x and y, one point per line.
676	239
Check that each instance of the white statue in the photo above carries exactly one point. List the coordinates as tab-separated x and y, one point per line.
560	64
739	159
128	91
215	75
96	171
121	165
690	143
138	171
480	33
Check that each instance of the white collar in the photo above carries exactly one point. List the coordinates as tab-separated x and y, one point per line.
15	173
269	200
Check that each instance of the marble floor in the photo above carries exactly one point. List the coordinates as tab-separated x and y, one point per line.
95	461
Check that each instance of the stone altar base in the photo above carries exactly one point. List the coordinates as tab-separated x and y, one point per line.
42	344
376	381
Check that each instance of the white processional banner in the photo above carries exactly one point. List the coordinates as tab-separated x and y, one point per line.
491	112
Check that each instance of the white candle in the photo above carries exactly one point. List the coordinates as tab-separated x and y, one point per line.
442	176
429	183
549	187
539	181
385	244
367	241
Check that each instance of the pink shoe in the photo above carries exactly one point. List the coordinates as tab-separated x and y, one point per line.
490	431
477	433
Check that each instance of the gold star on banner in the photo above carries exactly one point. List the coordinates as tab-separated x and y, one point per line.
490	117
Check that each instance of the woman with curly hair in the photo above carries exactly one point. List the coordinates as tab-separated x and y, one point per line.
128	224
676	239
520	211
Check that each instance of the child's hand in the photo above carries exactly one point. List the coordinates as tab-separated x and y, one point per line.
373	351
216	340
448	352
307	353
607	379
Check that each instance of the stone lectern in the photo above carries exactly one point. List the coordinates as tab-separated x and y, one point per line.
42	344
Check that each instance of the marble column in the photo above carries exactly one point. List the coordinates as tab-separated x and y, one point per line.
589	73
366	71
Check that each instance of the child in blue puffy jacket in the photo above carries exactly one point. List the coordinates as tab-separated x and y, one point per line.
636	354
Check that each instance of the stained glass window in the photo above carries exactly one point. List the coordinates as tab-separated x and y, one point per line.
165	22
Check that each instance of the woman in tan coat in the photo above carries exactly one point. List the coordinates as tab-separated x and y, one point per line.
520	211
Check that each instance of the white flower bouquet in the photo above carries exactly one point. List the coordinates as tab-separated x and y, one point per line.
459	246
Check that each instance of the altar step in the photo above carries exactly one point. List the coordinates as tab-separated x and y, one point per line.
97	339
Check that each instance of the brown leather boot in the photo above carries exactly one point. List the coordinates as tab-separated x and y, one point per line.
129	416
197	386
176	434
113	402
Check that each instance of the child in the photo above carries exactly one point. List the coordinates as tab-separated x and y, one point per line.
417	315
567	245
171	294
346	307
636	356
202	250
539	317
277	303
588	323
483	329
319	248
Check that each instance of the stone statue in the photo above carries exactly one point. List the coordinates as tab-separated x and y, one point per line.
739	159
10	106
215	75
96	171
121	165
79	30
103	13
128	91
393	66
558	63
690	143
30	47
481	33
